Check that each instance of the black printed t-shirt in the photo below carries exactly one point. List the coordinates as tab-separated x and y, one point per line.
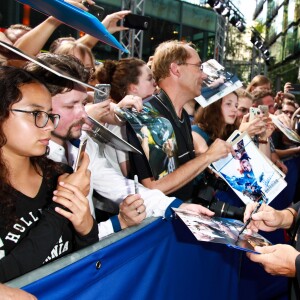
139	163
39	234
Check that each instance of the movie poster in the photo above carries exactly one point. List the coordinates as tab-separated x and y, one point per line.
160	146
250	174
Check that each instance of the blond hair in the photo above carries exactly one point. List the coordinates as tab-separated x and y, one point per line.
167	53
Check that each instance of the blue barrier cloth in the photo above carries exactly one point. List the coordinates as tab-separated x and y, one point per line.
159	261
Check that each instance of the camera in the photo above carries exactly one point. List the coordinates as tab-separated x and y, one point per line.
210	179
204	195
136	22
222	209
225	210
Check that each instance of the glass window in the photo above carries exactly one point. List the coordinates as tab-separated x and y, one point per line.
273	6
297	43
291	11
261	20
276	49
297	11
276	26
290	39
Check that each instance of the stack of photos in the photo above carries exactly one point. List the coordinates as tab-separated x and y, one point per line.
288	132
250	174
220	230
217	84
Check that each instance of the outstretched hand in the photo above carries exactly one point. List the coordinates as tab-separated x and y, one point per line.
276	260
199	209
218	149
110	21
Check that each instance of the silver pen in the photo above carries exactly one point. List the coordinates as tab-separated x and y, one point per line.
136	184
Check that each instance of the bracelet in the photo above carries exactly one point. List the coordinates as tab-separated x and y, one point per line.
262	141
294	217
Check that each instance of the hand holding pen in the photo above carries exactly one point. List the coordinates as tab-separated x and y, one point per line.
260	202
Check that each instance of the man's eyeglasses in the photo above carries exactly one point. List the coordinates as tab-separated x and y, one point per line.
243	110
41	118
199	65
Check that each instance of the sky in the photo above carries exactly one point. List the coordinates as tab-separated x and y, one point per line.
246	7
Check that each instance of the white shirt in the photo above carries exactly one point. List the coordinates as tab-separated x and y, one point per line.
109	183
114	156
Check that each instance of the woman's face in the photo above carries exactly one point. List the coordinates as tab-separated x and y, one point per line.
24	138
146	83
229	108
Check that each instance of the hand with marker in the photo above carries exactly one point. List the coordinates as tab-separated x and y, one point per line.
132	209
267	218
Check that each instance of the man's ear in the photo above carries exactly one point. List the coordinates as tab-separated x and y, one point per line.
174	69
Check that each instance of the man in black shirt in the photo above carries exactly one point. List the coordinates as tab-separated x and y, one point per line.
177	69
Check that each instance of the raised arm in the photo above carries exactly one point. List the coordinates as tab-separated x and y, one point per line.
110	22
33	41
185	173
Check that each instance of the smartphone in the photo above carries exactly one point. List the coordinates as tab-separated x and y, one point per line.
264	109
95	10
81	151
136	22
103	95
297	124
295	88
254	112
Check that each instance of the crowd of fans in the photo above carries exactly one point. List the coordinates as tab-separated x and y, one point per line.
45	205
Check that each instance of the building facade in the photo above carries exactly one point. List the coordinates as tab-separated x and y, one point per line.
278	23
